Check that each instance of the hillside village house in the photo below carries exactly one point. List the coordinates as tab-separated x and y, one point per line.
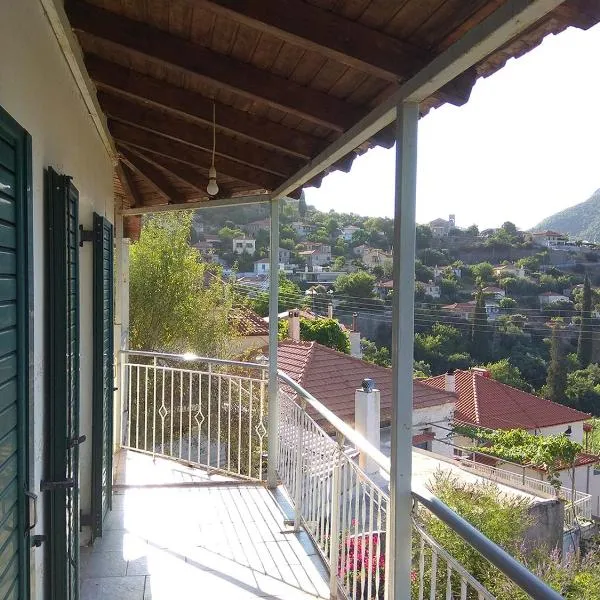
441	227
302	229
509	271
546	298
484	402
263	266
438	272
348	231
466	310
549	238
373	257
494	292
316	255
431	289
255	226
241	245
115	110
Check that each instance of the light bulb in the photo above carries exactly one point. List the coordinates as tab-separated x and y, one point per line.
212	187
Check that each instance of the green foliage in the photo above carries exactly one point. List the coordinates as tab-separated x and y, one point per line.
584	344
449	289
556	382
423	237
432	257
421	370
174	306
583	389
549	452
507	302
325	331
507	373
443	348
422	272
373	354
228	233
355	285
290	296
483	271
480	337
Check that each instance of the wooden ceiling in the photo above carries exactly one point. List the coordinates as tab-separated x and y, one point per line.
287	77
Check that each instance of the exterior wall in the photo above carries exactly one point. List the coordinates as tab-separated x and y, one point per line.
546	529
577	433
430	418
243	245
38	90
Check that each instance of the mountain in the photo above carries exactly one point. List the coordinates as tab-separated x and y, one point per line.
581	221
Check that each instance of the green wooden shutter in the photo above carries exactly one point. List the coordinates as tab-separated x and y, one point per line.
102	424
15	189
61	483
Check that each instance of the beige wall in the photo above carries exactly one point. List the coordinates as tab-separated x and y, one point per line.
38	90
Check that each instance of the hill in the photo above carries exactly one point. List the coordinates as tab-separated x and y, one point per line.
581	221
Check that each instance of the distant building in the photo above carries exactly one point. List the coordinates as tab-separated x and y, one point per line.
466	310
316	255
373	257
432	289
302	229
348	232
241	245
441	227
549	238
263	266
438	272
495	292
256	226
509	271
550	297
284	256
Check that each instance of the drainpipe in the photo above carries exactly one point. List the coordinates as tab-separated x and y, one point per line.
273	409
399	542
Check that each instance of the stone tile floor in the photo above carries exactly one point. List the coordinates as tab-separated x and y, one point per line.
182	535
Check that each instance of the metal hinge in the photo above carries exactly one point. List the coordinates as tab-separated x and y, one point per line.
85	235
50	486
75	441
38	540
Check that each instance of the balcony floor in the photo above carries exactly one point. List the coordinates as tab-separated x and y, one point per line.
179	538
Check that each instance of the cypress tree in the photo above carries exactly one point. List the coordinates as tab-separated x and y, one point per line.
479	334
584	345
556	382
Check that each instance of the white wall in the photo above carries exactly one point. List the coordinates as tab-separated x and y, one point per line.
577	434
441	416
38	90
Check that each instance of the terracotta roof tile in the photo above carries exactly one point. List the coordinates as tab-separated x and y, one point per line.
332	377
247	322
488	403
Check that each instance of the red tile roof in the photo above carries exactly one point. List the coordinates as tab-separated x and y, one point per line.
332	377
247	322
488	403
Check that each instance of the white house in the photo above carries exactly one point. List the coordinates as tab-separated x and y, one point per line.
431	289
348	231
373	257
284	255
241	245
549	238
494	292
509	271
546	298
439	272
263	266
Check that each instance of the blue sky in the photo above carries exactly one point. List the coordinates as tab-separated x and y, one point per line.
526	145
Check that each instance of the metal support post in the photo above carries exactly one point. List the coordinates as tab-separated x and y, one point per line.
273	414
400	524
299	464
336	492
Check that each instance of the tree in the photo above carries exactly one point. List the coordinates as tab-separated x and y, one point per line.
583	389
479	330
507	373
432	257
483	271
473	230
302	206
424	236
290	296
584	344
355	285
325	331
423	273
174	305
507	302
373	354
556	382
331	225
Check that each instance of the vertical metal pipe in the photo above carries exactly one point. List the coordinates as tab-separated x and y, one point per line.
399	542
273	414
334	539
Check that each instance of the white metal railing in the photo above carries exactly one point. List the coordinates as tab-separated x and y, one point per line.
578	505
212	413
344	511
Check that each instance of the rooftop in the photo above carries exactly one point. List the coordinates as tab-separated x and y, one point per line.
311	365
485	402
247	322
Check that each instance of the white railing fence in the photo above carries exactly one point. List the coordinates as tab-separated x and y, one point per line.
578	505
206	414
213	414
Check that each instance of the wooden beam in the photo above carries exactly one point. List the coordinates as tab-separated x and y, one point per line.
337	38
155	177
117	79
185	173
233	75
128	184
191	155
168	125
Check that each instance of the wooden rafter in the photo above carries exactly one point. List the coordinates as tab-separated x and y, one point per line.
168	125
155	177
141	138
117	79
233	75
185	173
129	187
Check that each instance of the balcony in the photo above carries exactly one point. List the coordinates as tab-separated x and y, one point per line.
193	512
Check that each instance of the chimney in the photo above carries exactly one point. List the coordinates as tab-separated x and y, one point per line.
294	325
330	311
450	381
354	336
482	372
367	405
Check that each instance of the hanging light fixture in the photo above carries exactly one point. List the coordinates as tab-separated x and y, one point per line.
212	187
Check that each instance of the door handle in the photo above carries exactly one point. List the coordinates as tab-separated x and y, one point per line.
50	486
31	496
75	441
